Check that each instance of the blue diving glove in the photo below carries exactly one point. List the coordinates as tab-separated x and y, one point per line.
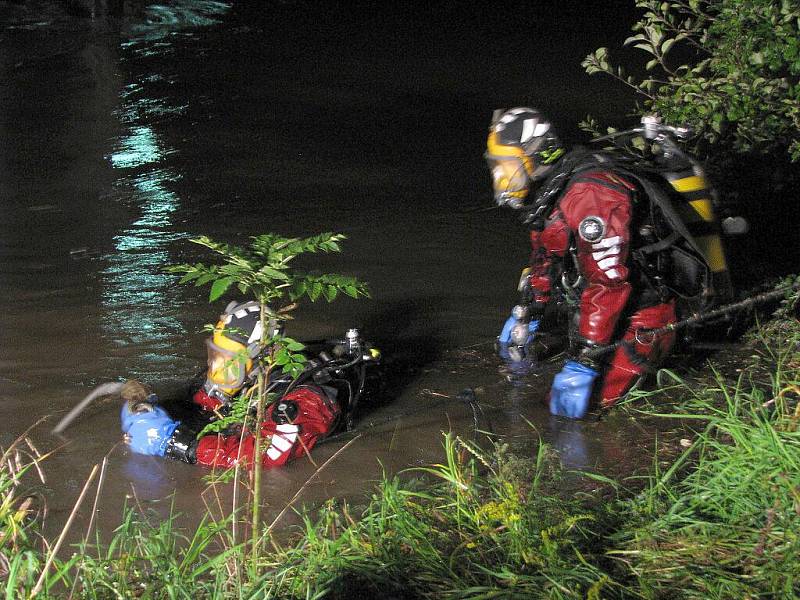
148	430
506	334
512	351
569	396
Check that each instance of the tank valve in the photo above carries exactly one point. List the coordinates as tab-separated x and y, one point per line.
353	340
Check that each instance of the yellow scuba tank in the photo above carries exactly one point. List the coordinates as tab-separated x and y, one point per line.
695	201
676	184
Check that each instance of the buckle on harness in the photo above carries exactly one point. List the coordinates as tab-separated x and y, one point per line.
645	337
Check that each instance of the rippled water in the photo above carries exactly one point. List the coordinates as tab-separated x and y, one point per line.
122	138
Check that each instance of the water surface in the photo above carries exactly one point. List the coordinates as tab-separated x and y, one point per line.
124	137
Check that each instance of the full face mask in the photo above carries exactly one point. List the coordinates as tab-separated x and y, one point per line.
232	350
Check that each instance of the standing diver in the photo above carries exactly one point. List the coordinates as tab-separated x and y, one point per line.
627	241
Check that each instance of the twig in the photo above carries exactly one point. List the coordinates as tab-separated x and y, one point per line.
19	439
37	588
306	450
94	512
308	481
236	472
432	393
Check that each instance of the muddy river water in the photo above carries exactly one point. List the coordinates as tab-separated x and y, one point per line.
120	138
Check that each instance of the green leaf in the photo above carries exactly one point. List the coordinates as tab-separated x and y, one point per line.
189	276
315	291
273	273
220	287
330	292
297	290
281	357
293	345
205	278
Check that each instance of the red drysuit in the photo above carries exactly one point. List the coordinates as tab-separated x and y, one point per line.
315	418
594	213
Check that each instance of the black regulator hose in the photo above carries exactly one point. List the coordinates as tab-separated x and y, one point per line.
328	364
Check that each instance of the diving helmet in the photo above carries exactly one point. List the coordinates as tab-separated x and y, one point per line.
520	150
232	350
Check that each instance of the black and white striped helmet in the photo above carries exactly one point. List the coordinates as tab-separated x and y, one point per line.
521	149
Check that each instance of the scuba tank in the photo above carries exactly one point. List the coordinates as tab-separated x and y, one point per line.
676	238
694	201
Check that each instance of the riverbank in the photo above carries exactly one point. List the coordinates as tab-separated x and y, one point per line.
716	516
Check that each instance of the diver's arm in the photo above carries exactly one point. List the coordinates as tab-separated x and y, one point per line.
307	417
535	286
597	209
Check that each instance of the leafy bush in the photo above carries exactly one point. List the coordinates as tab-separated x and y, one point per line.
728	68
264	270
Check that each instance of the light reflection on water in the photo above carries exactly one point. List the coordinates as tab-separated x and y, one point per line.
140	300
138	148
162	20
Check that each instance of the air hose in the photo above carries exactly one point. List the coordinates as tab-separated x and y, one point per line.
105	389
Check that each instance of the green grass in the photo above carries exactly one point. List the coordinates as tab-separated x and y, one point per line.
483	528
724	522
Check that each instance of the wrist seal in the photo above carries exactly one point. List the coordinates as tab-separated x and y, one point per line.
182	445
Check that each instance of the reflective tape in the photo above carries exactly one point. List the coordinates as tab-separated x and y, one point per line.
604	253
283	443
607	243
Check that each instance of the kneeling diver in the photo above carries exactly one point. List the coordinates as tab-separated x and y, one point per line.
308	409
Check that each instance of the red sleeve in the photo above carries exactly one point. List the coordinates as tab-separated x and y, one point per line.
603	200
547	244
317	415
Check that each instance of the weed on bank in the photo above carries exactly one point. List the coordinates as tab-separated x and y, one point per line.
724	520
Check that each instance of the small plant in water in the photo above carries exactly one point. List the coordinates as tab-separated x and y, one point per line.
264	271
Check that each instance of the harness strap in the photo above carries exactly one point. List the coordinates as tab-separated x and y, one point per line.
617	187
660	245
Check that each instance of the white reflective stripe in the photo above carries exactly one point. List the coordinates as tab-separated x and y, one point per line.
528	128
256	335
611	261
227	319
273	453
612	274
241	313
541	129
607	243
604	253
287	428
507	118
253	308
284	442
